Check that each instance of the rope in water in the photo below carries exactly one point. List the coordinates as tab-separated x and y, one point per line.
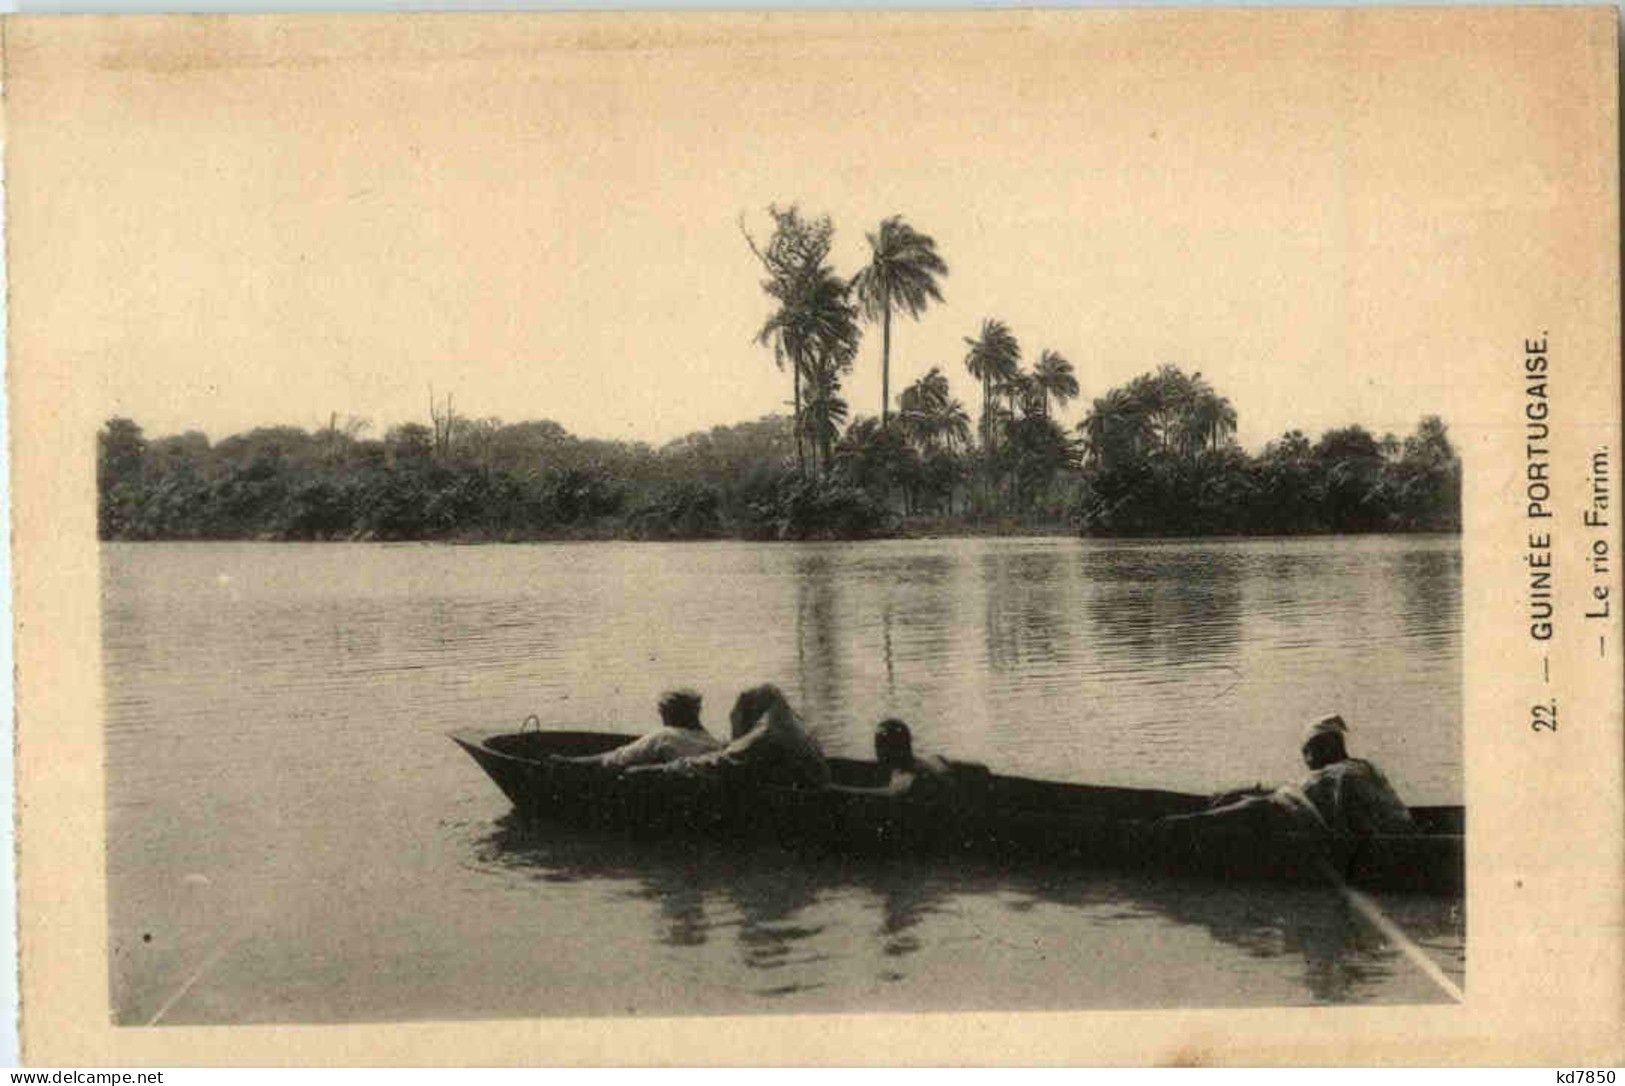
1372	913
197	975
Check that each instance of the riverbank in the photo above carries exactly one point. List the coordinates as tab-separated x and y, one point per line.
958	527
973	527
283	484
914	528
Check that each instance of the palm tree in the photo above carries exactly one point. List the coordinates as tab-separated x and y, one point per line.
993	359
931	415
937	426
1211	419
817	327
933	388
917	403
901	274
925	394
826	409
816	330
799	282
952	425
1116	423
1024	396
1055	379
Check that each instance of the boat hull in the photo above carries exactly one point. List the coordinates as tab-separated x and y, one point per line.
1011	819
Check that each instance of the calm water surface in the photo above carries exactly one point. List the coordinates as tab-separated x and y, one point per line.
291	837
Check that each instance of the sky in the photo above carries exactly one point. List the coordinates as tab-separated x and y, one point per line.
264	225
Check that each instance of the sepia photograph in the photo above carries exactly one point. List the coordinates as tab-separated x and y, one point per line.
608	518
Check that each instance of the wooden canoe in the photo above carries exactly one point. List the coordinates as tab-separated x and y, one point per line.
1011	819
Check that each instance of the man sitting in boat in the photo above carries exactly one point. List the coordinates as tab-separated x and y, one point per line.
894	750
769	743
927	777
1342	796
679	736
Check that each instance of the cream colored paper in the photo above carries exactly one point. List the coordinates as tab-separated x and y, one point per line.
1473	206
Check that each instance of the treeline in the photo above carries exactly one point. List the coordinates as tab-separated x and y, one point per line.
468	479
1159	459
1139	468
1154	457
1347	481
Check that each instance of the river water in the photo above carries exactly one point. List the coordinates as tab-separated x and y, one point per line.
291	837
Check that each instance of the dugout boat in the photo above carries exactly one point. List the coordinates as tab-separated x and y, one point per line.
1013	819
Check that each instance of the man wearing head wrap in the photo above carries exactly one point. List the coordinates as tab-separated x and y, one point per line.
679	736
1342	796
1349	795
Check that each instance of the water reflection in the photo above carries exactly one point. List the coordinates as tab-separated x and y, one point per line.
791	923
819	638
1164	605
886	650
1430	588
697	891
922	596
1024	622
1343	956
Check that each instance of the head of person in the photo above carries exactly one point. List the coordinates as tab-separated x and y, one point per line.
894	746
750	706
1324	742
680	709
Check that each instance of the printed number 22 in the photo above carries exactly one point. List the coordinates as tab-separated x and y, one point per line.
1543	718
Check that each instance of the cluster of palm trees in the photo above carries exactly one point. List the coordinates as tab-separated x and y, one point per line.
1163	413
931	419
1009	393
814	329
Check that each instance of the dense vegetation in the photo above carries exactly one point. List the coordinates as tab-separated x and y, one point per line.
1159	459
1156	456
533	480
467	480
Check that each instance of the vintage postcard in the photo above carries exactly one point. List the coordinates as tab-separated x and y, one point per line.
839	538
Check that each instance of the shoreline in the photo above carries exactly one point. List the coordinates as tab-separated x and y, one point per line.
909	533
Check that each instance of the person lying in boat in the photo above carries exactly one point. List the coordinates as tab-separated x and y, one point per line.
1342	796
680	735
769	743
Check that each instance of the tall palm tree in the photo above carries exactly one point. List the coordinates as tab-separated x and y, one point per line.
901	275
993	359
798	282
816	330
1055	379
